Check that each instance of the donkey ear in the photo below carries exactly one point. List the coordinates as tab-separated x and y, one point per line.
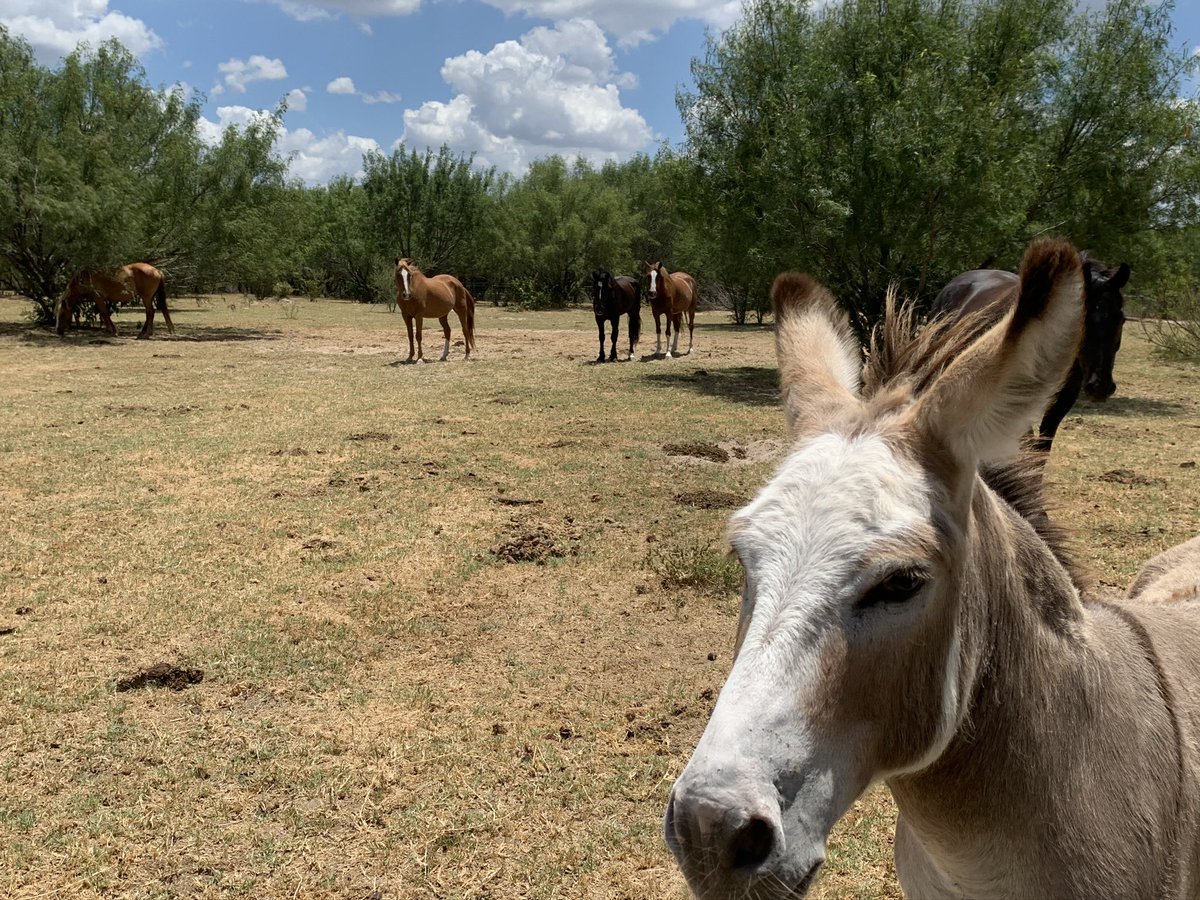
820	363
1120	277
990	396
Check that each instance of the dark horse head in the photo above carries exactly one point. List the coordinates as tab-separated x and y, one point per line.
602	292
1102	327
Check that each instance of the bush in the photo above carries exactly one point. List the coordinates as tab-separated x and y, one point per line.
1173	327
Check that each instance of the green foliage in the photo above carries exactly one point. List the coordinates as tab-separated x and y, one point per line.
695	565
426	208
906	141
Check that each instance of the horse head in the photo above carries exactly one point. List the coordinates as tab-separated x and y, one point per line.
1102	326
654	273
404	269
601	291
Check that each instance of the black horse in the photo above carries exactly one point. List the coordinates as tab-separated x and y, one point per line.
994	291
614	296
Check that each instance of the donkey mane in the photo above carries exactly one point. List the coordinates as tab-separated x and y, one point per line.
906	356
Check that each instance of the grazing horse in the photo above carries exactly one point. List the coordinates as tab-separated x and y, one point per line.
903	620
613	297
993	291
671	294
420	297
105	287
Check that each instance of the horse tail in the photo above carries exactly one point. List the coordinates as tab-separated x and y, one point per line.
470	336
635	314
160	294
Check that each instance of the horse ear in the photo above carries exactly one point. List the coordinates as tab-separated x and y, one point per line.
820	363
981	405
1121	277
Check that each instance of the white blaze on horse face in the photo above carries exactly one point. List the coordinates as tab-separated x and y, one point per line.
653	281
824	531
404	278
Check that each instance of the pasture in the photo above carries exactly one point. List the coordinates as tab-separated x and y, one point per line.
446	630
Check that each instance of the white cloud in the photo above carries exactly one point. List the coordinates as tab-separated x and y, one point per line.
381	97
630	20
241	72
297	100
341	85
314	159
54	27
554	91
310	10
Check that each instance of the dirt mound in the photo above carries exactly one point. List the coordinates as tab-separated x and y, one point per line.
369	436
710	499
164	674
535	543
699	450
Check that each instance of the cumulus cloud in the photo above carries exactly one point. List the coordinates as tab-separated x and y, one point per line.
341	85
241	72
314	159
54	27
631	21
554	91
297	100
309	10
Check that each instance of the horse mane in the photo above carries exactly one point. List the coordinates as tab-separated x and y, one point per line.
904	355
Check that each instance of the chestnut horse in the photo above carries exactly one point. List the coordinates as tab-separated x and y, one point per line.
671	294
614	296
432	297
909	617
105	287
993	291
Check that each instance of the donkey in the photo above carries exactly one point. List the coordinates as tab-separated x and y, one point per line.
903	621
994	290
613	297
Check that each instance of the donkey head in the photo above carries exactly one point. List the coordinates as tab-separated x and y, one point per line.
851	664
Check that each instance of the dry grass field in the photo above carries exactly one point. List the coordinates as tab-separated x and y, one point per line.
427	631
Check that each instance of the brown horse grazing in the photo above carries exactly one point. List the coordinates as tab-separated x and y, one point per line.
671	294
908	617
993	291
105	287
420	297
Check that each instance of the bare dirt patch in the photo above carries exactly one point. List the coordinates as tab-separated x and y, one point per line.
1128	476
535	542
369	436
699	450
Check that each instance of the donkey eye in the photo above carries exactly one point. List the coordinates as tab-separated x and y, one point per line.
898	587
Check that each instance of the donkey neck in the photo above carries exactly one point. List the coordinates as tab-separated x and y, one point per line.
1034	783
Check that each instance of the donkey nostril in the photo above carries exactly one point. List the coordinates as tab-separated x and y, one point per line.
752	844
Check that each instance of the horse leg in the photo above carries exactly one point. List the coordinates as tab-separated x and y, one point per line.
445	320
1059	408
671	321
464	322
691	329
600	326
612	357
678	323
418	324
106	316
658	333
148	325
408	323
161	298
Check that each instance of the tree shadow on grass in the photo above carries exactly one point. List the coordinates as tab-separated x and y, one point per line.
1128	406
756	385
92	337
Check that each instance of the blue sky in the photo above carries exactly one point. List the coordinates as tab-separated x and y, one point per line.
508	80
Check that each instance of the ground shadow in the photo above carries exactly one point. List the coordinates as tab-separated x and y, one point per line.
757	385
90	337
1128	406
